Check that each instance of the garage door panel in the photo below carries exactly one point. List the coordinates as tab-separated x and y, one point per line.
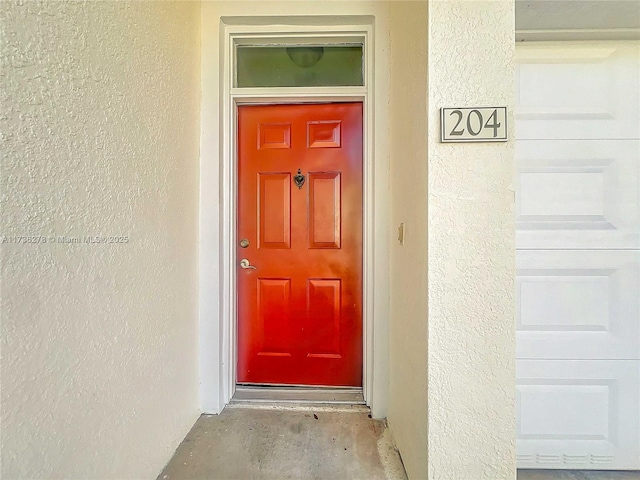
578	414
578	194
581	304
577	90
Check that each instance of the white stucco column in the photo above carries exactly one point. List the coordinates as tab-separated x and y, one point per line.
471	332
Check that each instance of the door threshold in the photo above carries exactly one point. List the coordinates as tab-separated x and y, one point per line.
298	407
279	394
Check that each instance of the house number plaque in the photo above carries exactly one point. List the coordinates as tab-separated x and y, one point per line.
475	124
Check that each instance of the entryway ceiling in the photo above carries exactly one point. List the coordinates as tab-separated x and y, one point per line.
577	14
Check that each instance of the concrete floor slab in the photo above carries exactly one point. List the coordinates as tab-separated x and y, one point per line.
576	475
260	444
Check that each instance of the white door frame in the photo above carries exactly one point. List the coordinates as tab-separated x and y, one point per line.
256	30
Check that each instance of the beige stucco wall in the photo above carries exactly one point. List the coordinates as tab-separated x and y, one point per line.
100	112
471	332
452	387
407	414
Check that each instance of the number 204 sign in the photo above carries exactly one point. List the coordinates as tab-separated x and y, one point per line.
487	124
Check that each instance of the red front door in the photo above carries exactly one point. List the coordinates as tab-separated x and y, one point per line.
300	308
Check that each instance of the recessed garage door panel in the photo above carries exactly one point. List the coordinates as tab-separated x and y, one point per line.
578	194
581	304
577	90
578	414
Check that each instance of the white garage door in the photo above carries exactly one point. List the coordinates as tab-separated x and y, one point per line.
578	255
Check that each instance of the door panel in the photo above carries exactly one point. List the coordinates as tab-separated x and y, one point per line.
577	91
300	309
578	414
578	194
275	210
274	325
274	135
581	304
324	210
324	307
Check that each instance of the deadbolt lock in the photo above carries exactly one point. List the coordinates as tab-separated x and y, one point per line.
244	243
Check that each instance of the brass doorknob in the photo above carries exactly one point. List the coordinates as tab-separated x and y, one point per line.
244	263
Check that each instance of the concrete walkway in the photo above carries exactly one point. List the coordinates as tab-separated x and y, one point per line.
259	444
320	443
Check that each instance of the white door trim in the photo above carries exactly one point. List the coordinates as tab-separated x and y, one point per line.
243	29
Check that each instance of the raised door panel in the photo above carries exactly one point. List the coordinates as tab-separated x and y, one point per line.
578	194
581	414
324	312
274	135
577	90
325	222
581	304
324	134
274	329
274	210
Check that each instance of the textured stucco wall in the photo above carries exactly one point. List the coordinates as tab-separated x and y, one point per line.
471	386
100	114
408	148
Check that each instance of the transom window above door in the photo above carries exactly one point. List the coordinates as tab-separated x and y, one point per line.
333	65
